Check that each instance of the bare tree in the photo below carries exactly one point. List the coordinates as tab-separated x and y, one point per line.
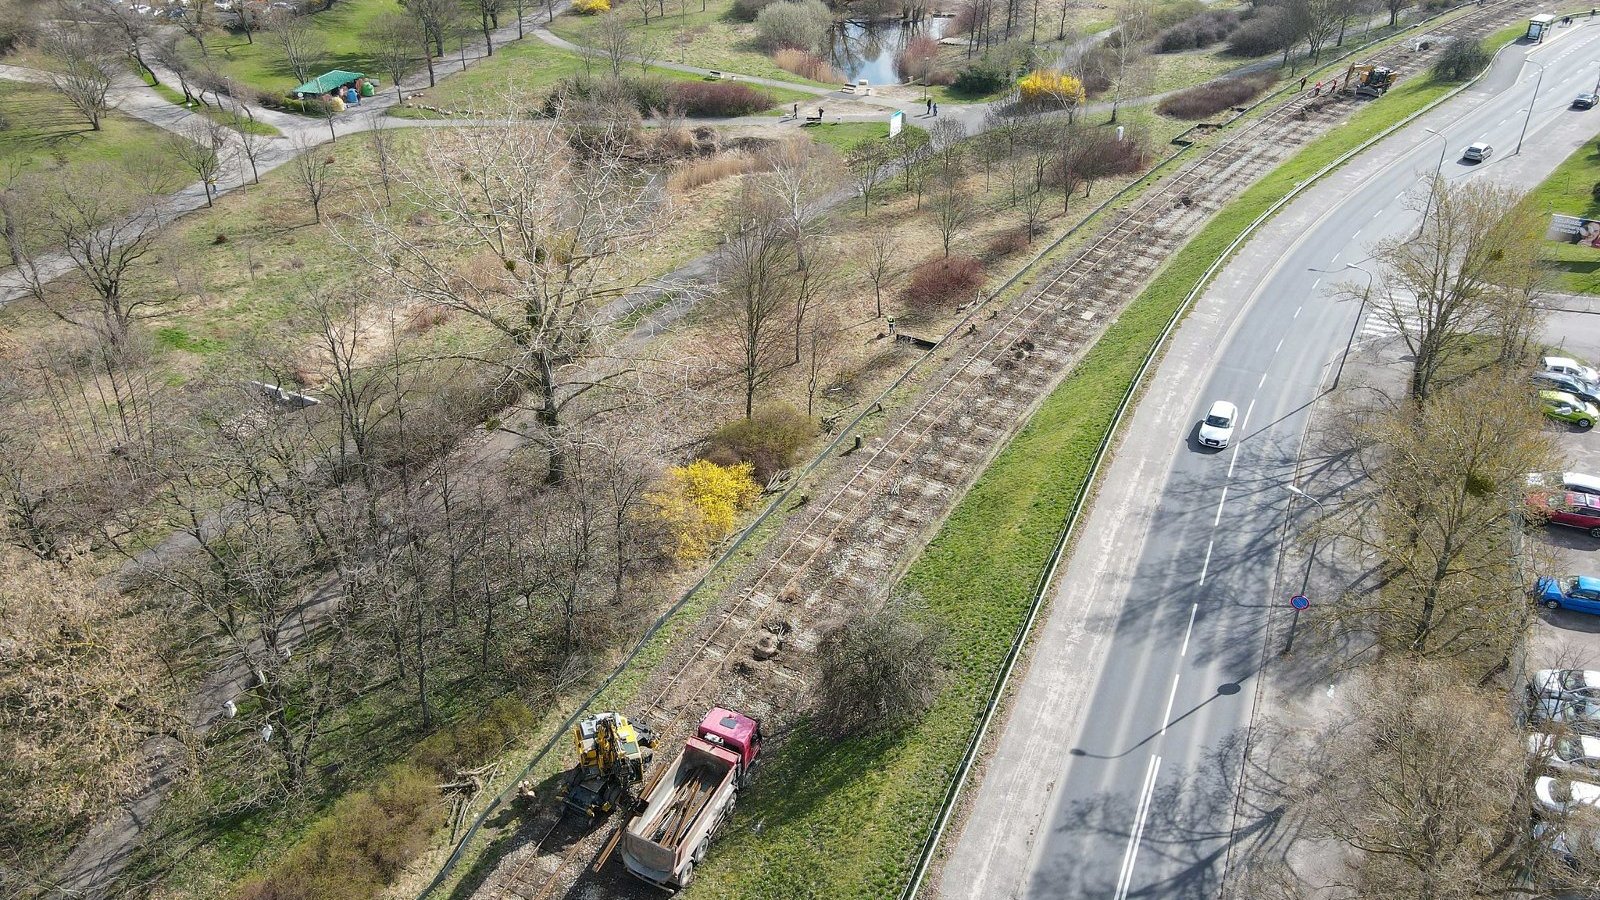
528	236
193	19
203	149
644	7
395	39
953	209
299	44
615	39
868	162
313	173
252	145
1129	56
883	248
799	178
81	68
1394	7
1439	289
437	18
488	19
752	300
132	31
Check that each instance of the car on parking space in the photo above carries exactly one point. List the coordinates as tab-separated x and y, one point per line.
1574	753
1572	481
1586	391
1566	365
1568	508
1560	795
1585	101
1565	407
1476	152
1567	684
1579	593
1216	429
1582	716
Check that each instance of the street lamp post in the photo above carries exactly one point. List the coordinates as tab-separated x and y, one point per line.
1294	623
1531	103
1438	172
1366	294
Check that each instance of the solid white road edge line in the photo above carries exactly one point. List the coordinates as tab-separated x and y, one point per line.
1125	878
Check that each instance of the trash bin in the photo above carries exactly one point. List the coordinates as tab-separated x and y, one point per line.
366	89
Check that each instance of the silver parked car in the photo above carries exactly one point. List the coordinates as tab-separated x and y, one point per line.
1578	753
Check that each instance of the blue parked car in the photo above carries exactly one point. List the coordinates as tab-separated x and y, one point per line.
1579	593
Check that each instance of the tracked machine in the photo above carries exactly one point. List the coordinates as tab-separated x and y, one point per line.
612	755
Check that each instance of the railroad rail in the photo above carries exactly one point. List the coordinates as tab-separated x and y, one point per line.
877	513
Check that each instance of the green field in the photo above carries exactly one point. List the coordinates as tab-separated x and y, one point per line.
42	132
1570	190
261	65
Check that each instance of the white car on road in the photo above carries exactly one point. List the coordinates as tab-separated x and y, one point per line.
1216	429
1562	795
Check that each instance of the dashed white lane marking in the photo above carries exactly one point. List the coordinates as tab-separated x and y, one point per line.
1192	611
1172	697
1204	567
1220	503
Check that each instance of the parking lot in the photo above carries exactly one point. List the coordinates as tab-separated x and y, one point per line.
1570	639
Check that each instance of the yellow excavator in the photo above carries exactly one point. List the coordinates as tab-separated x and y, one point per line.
612	754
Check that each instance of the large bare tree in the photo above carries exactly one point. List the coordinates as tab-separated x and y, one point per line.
526	236
299	44
753	300
82	66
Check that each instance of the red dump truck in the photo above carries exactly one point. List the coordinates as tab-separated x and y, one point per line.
691	800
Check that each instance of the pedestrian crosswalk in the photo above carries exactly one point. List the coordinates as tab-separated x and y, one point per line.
1379	325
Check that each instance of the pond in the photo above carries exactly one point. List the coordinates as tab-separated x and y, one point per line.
868	49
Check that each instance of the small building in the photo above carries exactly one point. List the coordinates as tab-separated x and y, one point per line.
337	83
1539	26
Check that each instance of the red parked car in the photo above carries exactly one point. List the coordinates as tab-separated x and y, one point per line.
1568	508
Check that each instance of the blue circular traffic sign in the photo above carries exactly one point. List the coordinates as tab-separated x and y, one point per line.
1300	601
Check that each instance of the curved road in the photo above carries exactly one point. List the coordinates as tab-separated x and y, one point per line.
1117	775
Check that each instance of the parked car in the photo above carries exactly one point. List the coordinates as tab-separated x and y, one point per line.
1566	365
1577	753
1216	429
1568	508
1572	481
1580	593
1584	101
1565	407
1567	684
1587	391
1582	716
1559	795
1477	152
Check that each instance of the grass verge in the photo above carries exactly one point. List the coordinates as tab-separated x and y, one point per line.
847	818
227	117
39	131
1570	190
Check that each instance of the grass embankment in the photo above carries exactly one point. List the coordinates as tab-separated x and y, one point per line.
225	116
1570	191
261	65
43	132
847	818
530	68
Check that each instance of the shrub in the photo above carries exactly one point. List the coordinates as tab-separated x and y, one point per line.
874	671
916	61
312	106
592	7
942	283
1460	60
700	502
806	65
1595	192
1204	100
1050	88
1201	31
702	172
747	10
470	744
799	24
1266	32
769	441
718	98
1012	240
978	80
1094	70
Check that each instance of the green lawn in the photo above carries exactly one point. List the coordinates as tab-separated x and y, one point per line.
261	65
708	40
42	132
1569	190
531	67
841	136
847	818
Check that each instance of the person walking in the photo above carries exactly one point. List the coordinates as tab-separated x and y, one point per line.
797	110
1303	81
936	109
927	104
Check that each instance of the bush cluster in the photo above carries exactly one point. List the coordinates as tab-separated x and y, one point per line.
645	95
1205	100
592	7
1203	30
747	10
699	504
1007	242
718	98
795	24
1262	34
1460	60
372	835
1049	88
943	283
770	440
806	64
978	80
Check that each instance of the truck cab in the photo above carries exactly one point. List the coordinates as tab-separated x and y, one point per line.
734	731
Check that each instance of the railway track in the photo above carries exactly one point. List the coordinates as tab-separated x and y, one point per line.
847	549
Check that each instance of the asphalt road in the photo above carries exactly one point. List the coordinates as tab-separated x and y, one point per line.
1166	617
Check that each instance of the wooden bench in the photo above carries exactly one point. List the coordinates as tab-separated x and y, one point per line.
813	120
715	75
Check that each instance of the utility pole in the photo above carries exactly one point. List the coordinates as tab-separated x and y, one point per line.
1531	103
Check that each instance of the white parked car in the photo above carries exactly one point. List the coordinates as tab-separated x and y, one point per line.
1566	365
1216	429
1572	481
1566	684
1582	716
1561	795
1579	753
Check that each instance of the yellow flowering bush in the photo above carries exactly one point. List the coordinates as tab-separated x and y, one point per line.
1051	86
700	503
592	7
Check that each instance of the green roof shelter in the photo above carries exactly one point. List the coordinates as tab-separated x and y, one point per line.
330	81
